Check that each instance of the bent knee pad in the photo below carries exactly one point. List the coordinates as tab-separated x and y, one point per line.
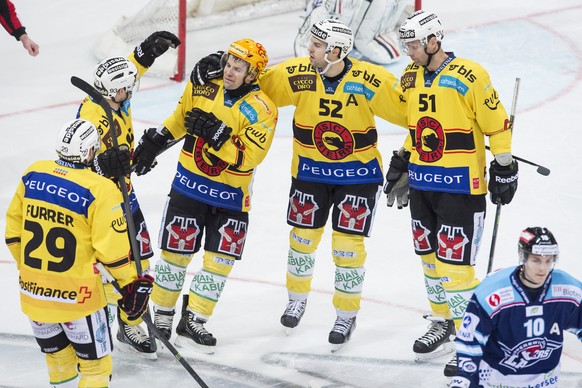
62	366
95	373
459	283
348	250
305	240
170	273
435	292
349	282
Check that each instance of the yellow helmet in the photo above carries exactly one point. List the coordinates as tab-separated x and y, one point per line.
251	52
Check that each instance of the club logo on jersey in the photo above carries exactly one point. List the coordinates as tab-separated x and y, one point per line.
528	352
143	237
408	80
452	241
232	237
303	82
182	234
207	163
354	212
302	208
333	140
429	139
420	236
209	90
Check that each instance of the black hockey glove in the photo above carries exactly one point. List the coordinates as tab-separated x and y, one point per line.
208	127
155	45
209	67
151	144
396	187
135	297
502	182
113	163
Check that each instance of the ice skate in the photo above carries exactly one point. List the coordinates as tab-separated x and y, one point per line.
163	320
134	339
293	314
437	341
341	332
451	367
192	334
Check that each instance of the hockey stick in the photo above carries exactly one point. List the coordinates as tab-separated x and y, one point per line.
541	169
498	210
153	328
97	97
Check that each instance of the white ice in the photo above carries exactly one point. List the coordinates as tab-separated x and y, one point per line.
535	40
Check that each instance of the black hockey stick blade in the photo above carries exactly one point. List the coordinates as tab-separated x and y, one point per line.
543	170
87	88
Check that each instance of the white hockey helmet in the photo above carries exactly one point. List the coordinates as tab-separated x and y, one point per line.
538	241
78	142
112	74
420	25
335	34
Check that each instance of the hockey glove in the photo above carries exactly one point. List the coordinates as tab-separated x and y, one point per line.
502	182
151	144
136	296
396	187
208	127
155	45
207	68
113	163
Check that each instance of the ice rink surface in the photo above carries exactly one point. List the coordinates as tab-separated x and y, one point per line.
535	40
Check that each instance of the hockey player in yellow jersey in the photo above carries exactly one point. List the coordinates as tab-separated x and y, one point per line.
62	221
227	126
336	163
450	106
116	78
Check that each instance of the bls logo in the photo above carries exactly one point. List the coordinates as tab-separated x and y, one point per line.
452	241
302	208
353	213
182	234
420	236
467	73
232	237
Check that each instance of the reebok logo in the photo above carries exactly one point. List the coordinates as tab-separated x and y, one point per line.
218	132
510	179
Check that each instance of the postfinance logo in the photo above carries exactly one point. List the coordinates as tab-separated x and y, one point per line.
54	294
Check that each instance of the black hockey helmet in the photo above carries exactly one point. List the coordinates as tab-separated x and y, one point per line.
537	240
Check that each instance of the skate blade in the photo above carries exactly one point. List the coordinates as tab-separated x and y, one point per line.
126	348
186	343
445	348
337	347
289	330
